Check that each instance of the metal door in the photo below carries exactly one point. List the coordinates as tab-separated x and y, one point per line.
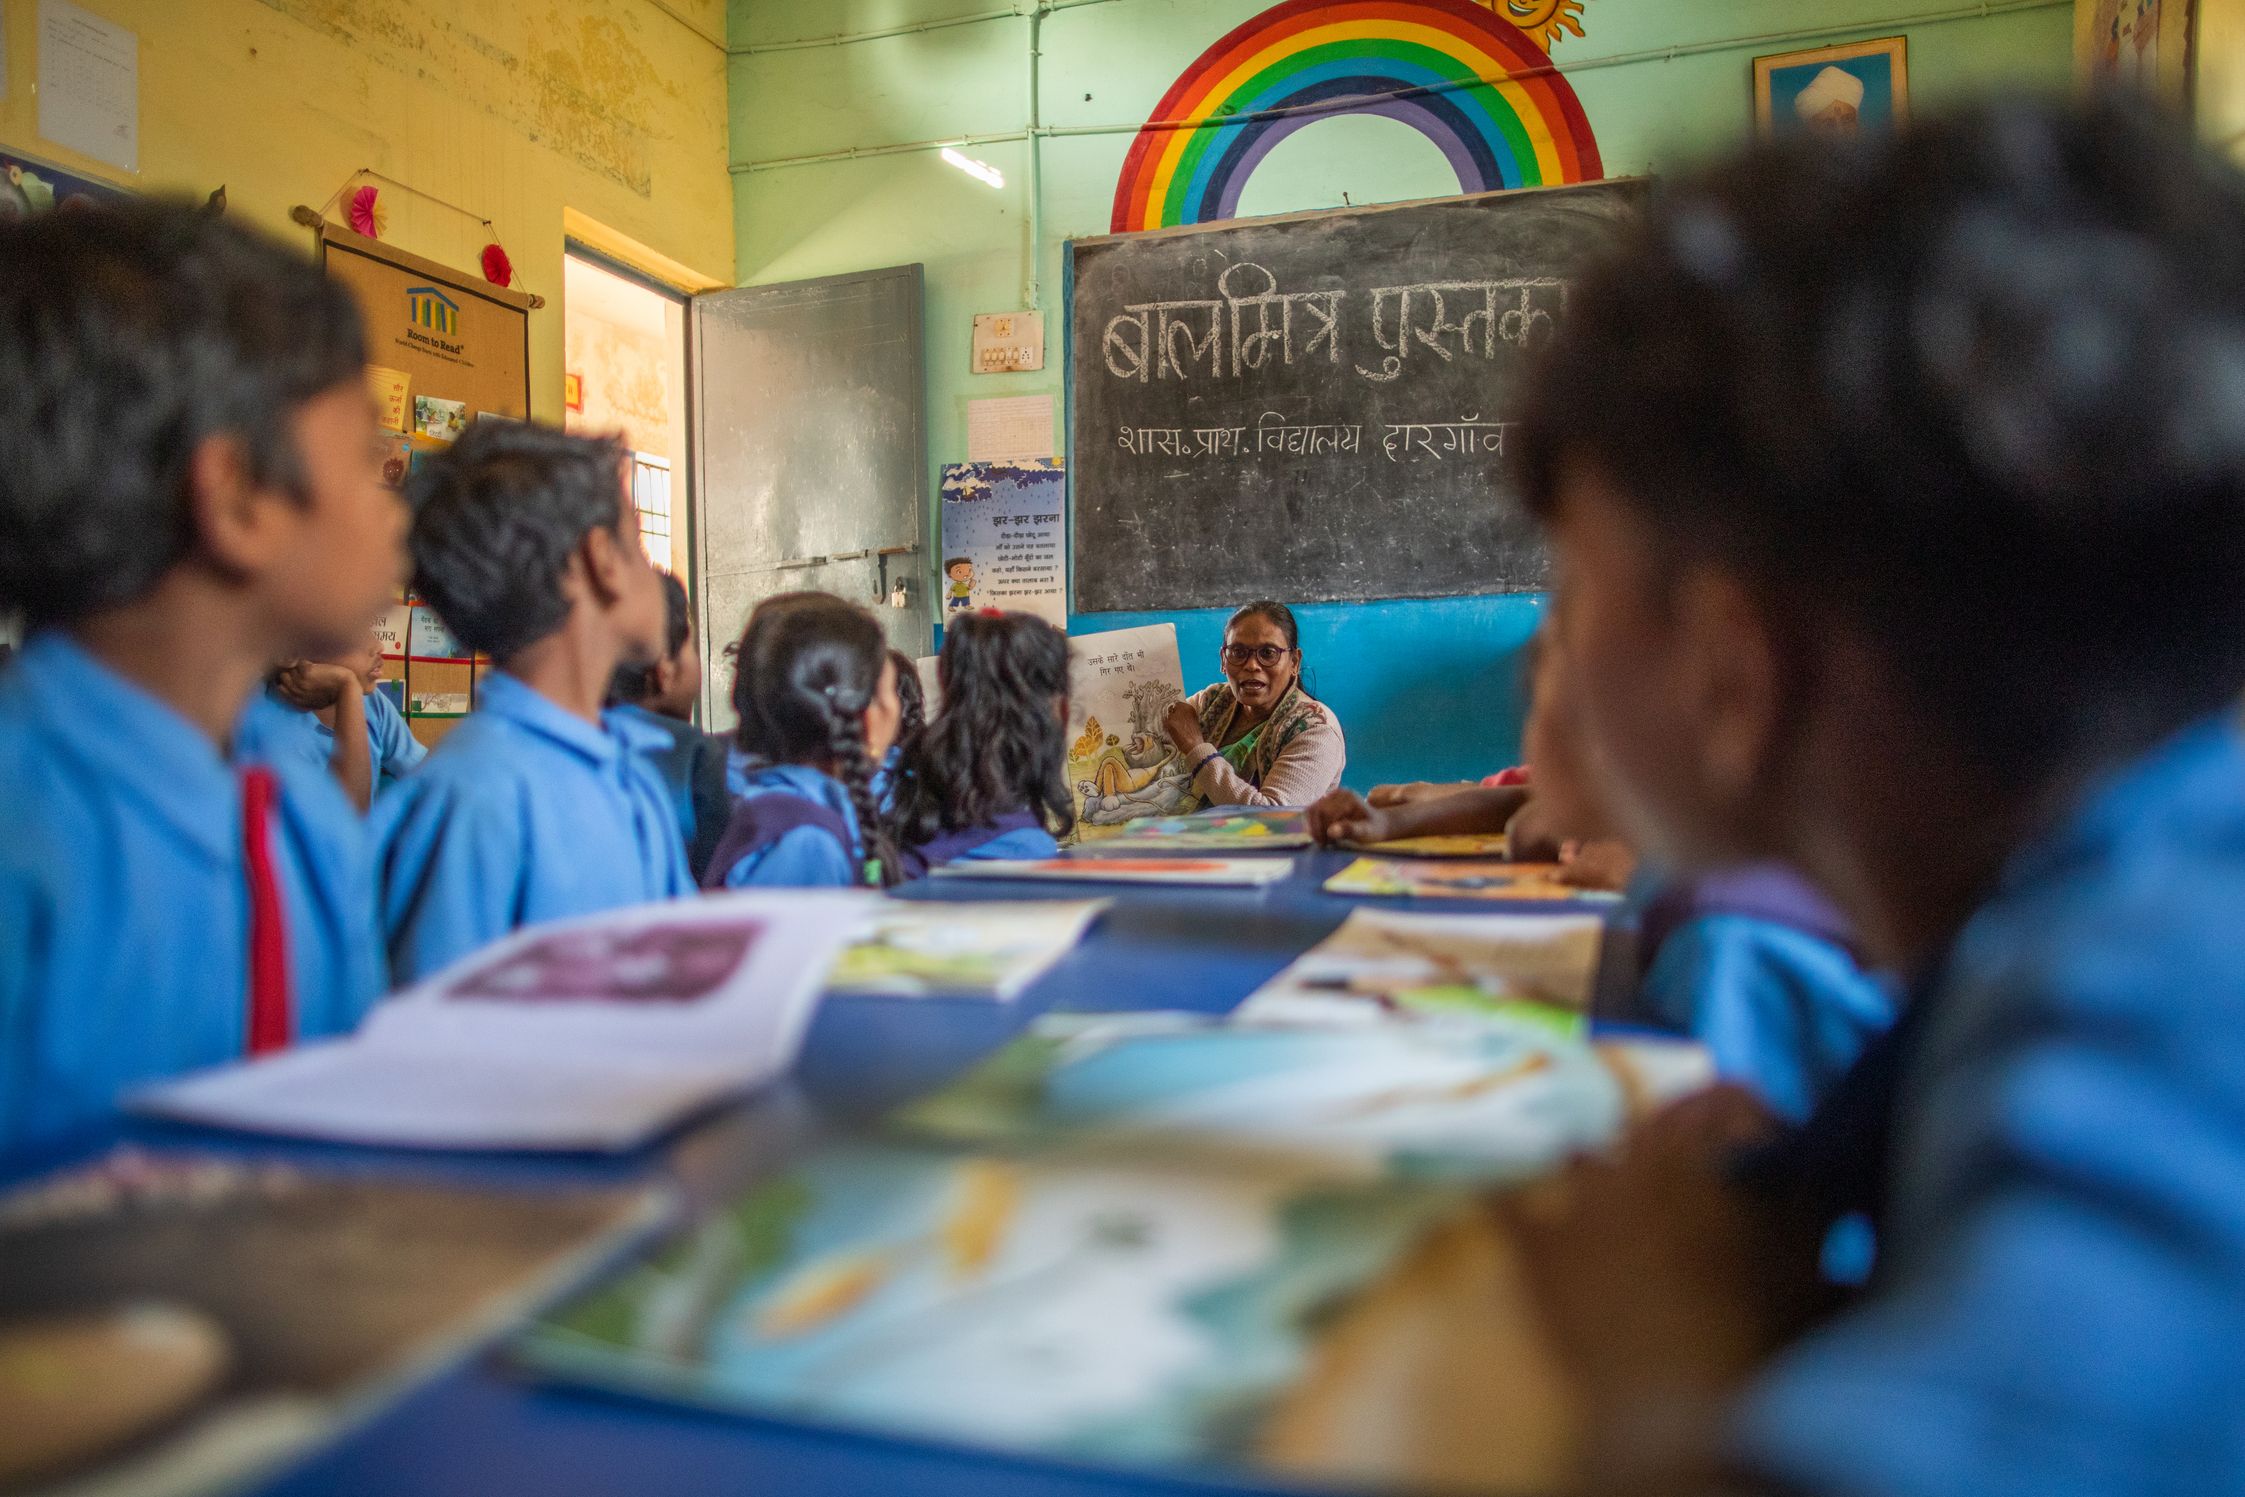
810	455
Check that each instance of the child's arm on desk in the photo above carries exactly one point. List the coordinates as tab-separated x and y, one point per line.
1345	816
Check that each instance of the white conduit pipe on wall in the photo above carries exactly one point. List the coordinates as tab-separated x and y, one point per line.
1989	8
913	28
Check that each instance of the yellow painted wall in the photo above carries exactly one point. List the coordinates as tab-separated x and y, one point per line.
2219	65
611	113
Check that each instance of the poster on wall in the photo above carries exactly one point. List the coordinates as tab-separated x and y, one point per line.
1121	764
89	84
444	349
445	346
1004	545
30	186
2140	44
390	635
439	675
1861	88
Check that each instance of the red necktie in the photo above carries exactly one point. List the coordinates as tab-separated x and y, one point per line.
269	1020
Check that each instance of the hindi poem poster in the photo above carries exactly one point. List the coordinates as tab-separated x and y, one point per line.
1004	538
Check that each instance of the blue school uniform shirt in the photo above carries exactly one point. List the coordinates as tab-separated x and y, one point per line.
392	749
524	814
1761	970
124	892
1015	836
396	752
2052	1148
814	855
692	766
1013	844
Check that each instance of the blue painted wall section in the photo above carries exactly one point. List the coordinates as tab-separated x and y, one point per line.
1425	688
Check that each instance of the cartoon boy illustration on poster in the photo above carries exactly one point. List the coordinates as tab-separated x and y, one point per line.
960	569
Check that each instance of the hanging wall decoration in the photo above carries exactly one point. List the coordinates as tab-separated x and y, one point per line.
365	213
1476	84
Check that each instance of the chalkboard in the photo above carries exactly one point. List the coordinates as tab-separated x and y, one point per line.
1313	407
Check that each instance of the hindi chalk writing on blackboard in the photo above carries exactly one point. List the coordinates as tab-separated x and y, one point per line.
1316	407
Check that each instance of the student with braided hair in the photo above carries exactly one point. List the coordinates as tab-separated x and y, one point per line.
912	721
987	779
816	696
912	703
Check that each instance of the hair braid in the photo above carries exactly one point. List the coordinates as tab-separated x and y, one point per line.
854	767
808	668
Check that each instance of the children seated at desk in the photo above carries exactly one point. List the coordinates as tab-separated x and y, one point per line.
661	699
331	707
189	491
988	778
1897	495
539	805
1752	962
816	696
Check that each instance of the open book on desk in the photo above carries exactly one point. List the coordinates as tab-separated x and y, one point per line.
598	1033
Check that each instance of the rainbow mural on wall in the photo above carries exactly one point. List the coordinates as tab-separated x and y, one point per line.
1422	62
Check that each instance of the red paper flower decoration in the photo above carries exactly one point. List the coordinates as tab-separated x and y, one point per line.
365	214
497	268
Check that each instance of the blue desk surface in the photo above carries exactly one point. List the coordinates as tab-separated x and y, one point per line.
481	1431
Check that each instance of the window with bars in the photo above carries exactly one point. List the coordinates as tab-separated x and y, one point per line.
650	495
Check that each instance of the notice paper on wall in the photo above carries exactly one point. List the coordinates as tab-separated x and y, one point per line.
931	685
392	629
89	84
393	410
1004	431
1003	540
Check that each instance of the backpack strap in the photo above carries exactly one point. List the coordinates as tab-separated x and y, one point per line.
761	820
949	847
1760	891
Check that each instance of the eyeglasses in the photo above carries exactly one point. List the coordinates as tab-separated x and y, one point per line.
1265	656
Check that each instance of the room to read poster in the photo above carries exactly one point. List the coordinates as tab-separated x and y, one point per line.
1003	543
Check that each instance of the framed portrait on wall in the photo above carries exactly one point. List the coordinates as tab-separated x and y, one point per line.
1843	90
2142	44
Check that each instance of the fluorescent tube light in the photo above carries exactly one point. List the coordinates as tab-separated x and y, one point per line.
981	171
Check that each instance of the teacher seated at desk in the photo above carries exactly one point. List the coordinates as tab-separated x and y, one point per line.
1256	738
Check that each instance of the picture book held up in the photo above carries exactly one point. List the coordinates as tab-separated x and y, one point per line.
584	1034
1120	762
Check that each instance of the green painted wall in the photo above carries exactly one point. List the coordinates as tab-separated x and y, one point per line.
1108	64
